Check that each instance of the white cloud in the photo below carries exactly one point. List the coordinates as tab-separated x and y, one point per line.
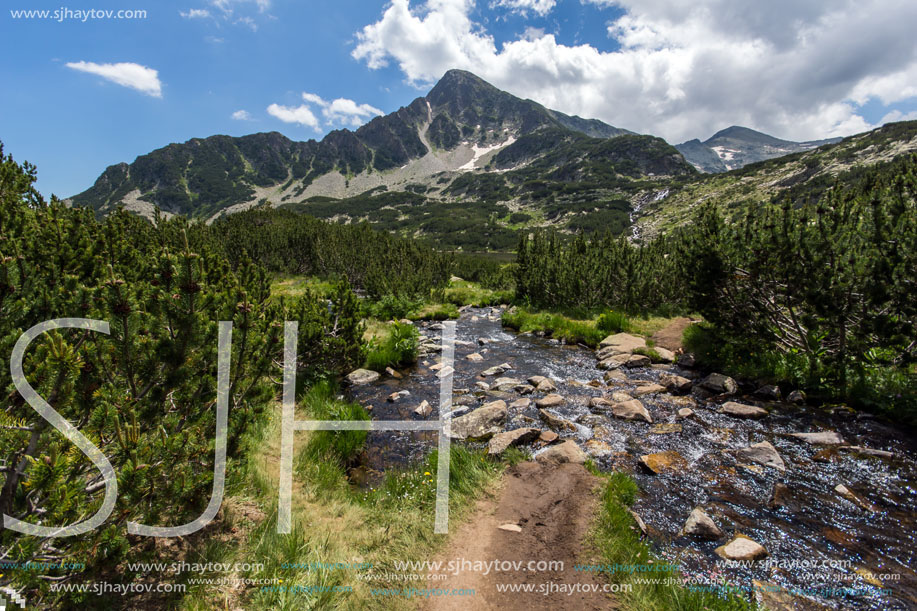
341	111
541	7
195	13
795	68
298	114
135	76
242	115
247	22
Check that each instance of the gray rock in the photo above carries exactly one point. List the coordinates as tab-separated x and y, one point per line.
505	384
685	412
521	403
797	396
720	384
614	377
700	525
740	410
631	410
762	453
741	548
599	404
623	342
556	422
564	452
552	400
637	360
499	442
675	383
424	409
666	356
483	423
398	395
687	360
649	388
361	377
474	357
825	438
496	370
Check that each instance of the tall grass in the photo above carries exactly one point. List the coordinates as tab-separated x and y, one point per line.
396	348
554	325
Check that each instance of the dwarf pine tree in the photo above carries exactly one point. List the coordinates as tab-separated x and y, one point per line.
145	393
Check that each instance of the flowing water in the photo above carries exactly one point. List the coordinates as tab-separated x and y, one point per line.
844	554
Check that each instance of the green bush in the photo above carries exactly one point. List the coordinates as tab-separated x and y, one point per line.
553	325
613	322
397	349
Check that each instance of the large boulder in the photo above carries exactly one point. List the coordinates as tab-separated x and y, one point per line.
623	342
564	452
740	410
631	410
764	454
700	525
483	423
741	548
501	441
361	377
665	356
720	384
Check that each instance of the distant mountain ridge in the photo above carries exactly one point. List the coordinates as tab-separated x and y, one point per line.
458	122
472	167
735	147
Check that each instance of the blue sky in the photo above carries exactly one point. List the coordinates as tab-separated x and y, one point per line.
79	96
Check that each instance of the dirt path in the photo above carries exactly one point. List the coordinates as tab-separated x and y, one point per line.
555	507
669	337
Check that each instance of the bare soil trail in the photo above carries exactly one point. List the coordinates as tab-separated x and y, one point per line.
669	337
554	505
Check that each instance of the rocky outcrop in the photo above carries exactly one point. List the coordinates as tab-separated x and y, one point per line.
483	423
